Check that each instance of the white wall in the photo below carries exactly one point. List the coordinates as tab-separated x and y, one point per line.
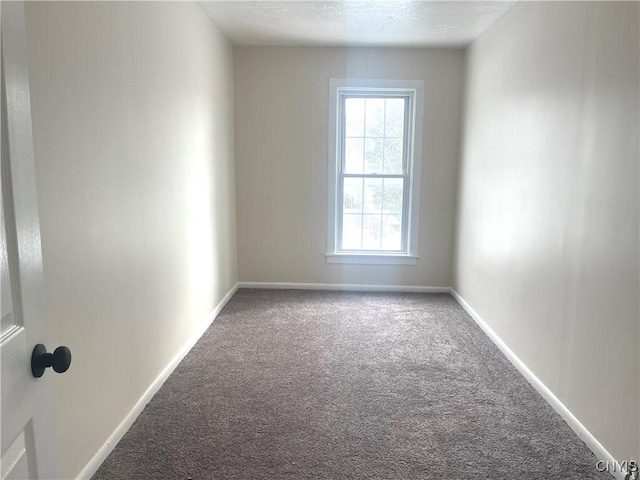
133	131
281	123
548	213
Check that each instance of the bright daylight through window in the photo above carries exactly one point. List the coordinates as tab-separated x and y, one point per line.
373	163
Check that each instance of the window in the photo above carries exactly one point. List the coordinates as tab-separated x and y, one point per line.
374	171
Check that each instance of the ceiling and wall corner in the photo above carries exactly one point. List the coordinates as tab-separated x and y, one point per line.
354	23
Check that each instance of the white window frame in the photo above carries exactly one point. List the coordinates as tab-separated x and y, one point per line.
338	88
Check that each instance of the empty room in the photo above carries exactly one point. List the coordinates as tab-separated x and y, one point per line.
320	240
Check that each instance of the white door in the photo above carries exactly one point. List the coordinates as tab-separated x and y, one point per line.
26	419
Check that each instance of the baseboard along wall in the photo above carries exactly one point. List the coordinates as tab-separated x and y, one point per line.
344	287
596	447
580	430
92	466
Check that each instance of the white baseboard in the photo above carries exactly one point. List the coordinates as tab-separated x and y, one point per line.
344	287
596	447
92	466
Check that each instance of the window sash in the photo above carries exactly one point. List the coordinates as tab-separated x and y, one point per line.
405	220
408	96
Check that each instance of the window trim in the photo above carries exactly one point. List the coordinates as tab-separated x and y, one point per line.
414	159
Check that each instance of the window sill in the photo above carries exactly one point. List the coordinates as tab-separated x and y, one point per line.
372	259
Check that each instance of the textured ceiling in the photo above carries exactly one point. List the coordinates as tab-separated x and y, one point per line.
340	23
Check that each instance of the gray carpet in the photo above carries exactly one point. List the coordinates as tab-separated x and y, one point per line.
290	384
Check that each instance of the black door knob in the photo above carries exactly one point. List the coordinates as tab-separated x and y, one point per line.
60	360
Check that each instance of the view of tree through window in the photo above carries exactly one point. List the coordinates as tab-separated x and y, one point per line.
373	173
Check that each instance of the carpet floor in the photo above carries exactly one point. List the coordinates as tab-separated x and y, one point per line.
293	384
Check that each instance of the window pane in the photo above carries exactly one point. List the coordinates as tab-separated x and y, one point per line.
393	155
353	154
391	232
372	230
392	195
373	144
374	117
354	116
352	195
351	232
373	155
394	117
373	195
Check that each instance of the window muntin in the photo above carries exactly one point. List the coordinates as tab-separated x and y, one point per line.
374	167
